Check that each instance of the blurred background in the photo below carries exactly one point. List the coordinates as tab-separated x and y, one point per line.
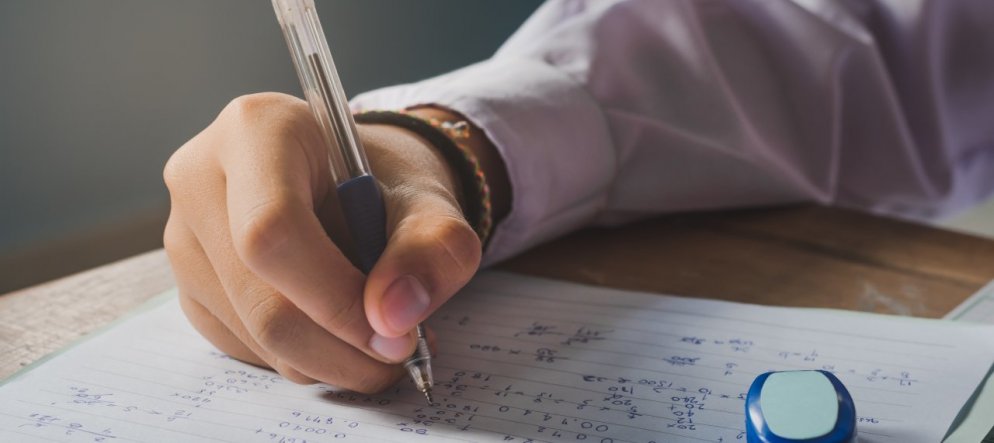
96	94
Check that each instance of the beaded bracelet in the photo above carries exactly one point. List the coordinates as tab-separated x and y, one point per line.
449	139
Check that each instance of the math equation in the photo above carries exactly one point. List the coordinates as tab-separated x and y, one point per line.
519	360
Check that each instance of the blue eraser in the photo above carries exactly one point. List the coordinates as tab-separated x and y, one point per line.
799	406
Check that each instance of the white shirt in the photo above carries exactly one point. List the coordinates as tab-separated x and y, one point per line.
607	111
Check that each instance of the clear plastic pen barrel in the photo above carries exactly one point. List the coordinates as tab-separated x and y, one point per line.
322	87
358	192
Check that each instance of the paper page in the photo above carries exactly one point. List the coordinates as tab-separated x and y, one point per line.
521	359
979	308
976	424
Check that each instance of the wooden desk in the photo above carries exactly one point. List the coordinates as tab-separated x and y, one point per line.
797	256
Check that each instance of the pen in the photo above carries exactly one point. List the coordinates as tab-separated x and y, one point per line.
359	195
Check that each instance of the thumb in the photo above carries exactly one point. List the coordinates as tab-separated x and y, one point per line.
431	254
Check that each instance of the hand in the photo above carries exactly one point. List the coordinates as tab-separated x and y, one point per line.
248	238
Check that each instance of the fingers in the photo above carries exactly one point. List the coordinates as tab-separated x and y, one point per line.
432	251
278	285
279	238
290	339
432	254
206	305
260	277
217	333
280	327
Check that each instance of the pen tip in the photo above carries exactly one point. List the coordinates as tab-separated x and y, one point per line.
430	400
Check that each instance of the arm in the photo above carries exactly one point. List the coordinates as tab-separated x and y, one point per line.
612	110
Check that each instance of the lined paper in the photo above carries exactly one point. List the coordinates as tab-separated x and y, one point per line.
976	424
520	359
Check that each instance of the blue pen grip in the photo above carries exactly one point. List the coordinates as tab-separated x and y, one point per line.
362	205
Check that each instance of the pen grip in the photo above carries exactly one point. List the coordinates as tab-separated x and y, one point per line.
362	206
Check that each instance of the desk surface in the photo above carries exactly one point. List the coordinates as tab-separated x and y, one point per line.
798	256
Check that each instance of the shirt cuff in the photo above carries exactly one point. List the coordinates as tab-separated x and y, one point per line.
550	131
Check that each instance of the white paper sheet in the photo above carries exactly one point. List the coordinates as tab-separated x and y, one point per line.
976	424
979	308
520	359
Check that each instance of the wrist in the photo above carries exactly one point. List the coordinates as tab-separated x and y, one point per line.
401	158
461	147
490	160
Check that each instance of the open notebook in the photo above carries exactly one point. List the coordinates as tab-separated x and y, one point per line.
521	359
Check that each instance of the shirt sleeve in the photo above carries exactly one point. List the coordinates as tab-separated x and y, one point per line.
607	111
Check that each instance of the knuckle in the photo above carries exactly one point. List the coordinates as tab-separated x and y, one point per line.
263	231
188	166
274	322
187	304
290	373
344	319
455	246
214	330
171	236
374	381
253	106
273	110
174	171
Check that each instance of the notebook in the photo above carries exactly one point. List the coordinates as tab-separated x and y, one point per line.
979	308
520	359
978	422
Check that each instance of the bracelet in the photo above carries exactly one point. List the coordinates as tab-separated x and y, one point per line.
449	139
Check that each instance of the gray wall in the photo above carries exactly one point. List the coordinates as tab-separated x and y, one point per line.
95	95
